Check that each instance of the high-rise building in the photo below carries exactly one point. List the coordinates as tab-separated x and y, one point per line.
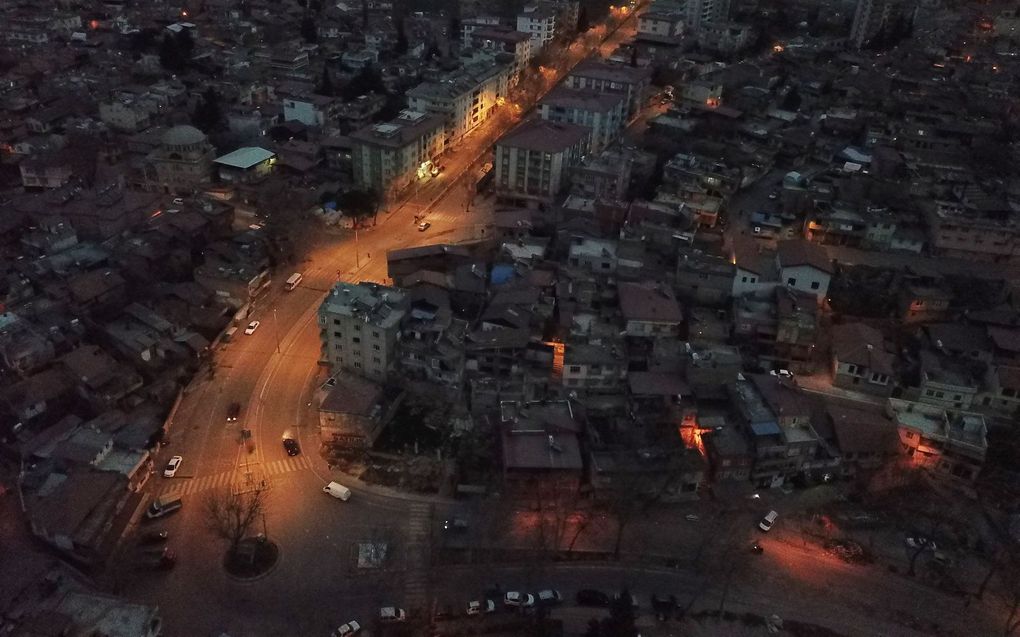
870	18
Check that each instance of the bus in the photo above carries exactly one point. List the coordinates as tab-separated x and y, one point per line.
293	281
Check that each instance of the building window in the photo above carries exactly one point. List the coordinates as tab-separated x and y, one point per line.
375	347
375	359
575	369
815	285
357	364
375	333
356	339
791	281
338	334
743	279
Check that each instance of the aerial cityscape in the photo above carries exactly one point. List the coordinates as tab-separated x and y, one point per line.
516	318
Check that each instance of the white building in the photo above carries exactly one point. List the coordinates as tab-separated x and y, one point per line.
360	328
539	23
464	99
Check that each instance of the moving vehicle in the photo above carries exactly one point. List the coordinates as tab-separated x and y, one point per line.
254	325
479	608
518	599
549	596
390	614
163	505
338	491
172	467
757	549
591	597
455	524
293	281
233	412
767	522
349	628
291	446
782	373
423	226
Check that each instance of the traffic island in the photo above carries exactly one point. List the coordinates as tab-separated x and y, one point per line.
253	558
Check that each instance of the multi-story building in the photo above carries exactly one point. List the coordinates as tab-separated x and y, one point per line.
603	113
533	159
604	77
311	110
950	444
387	158
699	13
974	228
505	40
126	114
464	98
359	325
539	23
470	25
870	17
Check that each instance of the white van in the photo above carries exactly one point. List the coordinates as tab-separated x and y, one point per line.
293	281
767	522
338	491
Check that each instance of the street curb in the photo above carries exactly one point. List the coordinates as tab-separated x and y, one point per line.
252	580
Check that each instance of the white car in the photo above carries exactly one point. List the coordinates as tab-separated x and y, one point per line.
391	614
423	226
254	325
767	521
782	373
477	608
549	596
178	201
521	600
172	466
349	628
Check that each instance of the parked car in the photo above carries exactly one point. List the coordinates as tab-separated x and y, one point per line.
518	599
349	628
549	597
782	373
917	541
591	597
767	521
291	446
423	226
390	614
233	412
633	600
254	325
172	467
481	607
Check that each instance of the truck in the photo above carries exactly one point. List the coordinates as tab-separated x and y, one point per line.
163	505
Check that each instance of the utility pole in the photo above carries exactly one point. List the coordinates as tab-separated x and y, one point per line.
276	330
357	257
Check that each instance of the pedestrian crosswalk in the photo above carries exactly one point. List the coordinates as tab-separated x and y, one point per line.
227	478
419	528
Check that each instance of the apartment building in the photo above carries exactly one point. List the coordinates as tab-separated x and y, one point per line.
603	113
386	158
603	77
359	325
533	159
951	445
975	229
539	23
464	98
505	40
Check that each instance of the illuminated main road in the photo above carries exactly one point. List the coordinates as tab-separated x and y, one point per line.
272	374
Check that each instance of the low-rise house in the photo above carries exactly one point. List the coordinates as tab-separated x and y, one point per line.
354	411
948	382
861	360
729	454
245	165
950	444
649	475
73	511
704	279
867	440
100	379
804	266
923	303
541	450
1001	391
594	367
649	310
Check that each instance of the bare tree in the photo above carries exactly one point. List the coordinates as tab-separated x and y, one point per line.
231	516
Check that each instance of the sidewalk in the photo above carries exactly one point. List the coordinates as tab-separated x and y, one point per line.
822	384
